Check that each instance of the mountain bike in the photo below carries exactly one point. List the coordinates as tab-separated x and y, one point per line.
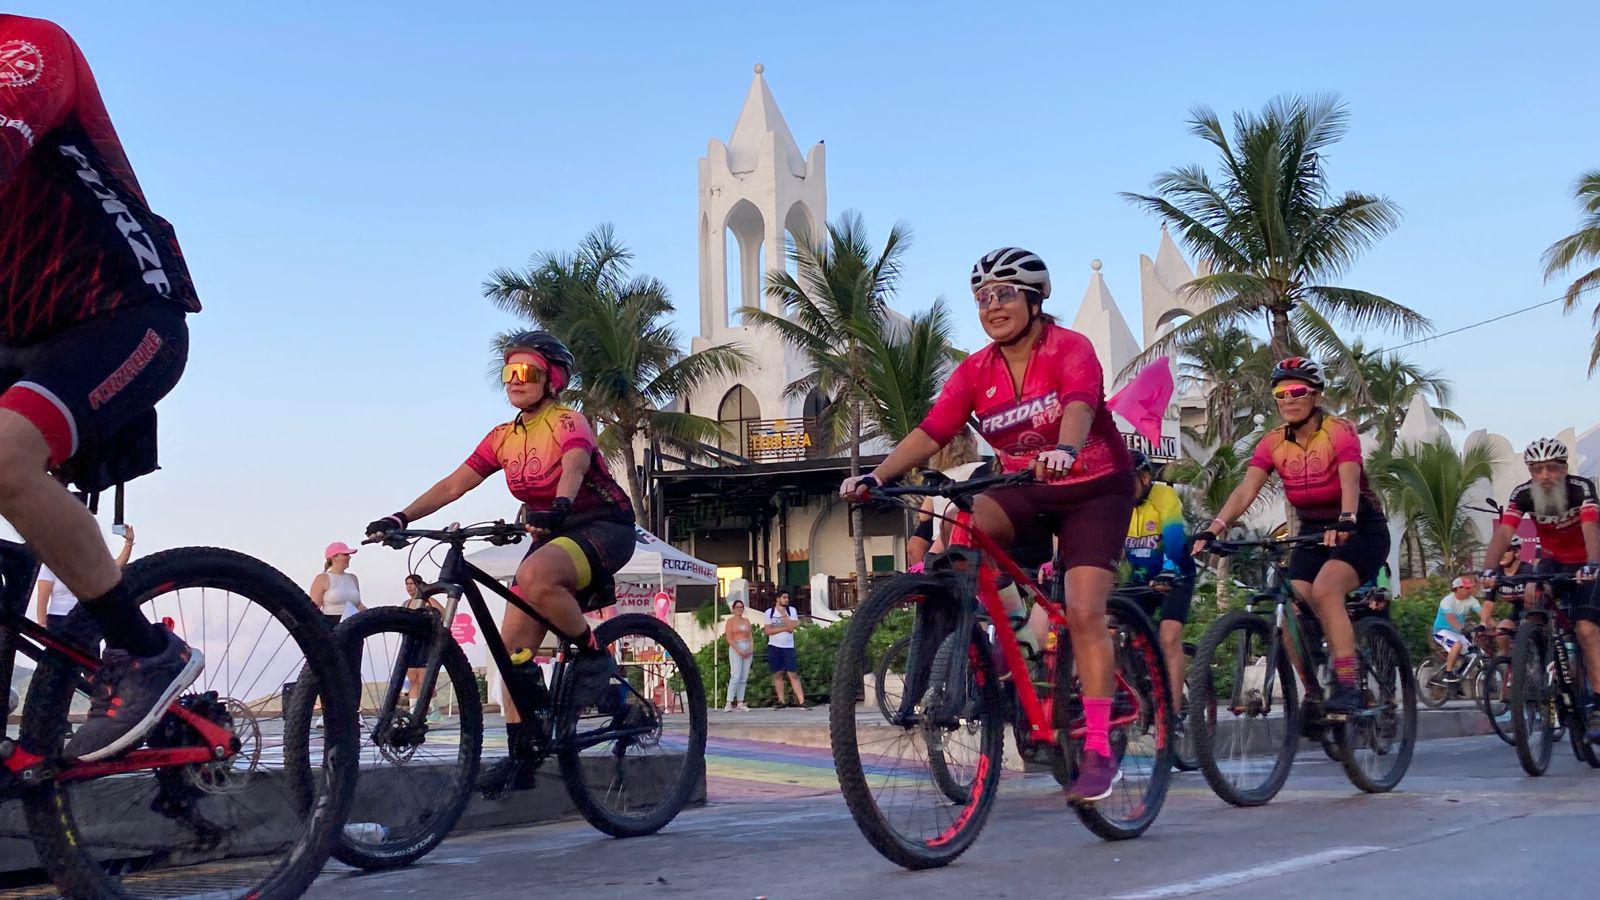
1243	703
629	761
230	795
919	774
1549	687
1148	597
1434	689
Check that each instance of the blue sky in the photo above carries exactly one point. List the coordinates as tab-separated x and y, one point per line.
343	180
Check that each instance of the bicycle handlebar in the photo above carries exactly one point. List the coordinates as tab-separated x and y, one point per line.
952	489
1537	578
1221	547
497	533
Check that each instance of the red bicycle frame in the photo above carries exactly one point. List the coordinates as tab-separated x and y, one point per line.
26	766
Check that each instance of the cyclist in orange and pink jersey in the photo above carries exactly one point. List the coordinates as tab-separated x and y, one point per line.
1318	458
1039	398
582	521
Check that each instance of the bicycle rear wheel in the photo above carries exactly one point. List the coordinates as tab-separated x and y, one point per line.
257	824
1492	693
896	789
633	760
1377	744
1532	719
417	771
1247	747
1141	732
1185	753
1432	689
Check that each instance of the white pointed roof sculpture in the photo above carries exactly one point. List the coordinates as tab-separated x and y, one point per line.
759	118
1420	425
1160	286
1102	323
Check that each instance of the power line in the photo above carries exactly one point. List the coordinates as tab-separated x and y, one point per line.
1434	337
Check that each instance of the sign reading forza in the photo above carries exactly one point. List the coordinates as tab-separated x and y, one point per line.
775	440
1165	449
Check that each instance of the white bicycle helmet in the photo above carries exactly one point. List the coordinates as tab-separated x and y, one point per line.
1299	368
1545	450
1012	265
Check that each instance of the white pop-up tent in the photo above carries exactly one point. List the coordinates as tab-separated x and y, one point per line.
654	562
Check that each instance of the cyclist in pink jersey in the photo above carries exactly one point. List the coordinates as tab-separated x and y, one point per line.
581	520
1318	458
1038	395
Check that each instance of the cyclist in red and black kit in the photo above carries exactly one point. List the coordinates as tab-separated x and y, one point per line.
93	294
1039	398
1566	514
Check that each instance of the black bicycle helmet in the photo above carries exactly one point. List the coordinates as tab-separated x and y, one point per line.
1141	461
550	347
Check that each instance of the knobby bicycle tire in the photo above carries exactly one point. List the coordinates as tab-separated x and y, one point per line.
1492	696
378	798
1185	755
957	831
1577	719
1390	732
1530	694
665	800
1432	690
1223	638
82	869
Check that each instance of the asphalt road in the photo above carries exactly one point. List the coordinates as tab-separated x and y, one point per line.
1465	818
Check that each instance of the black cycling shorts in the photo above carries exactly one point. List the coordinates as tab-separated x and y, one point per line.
84	385
1365	551
924	530
606	546
1175	603
1089	519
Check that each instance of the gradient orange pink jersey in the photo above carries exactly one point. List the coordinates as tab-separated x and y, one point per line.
529	450
1310	472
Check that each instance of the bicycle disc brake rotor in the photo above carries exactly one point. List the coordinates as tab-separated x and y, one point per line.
223	776
400	737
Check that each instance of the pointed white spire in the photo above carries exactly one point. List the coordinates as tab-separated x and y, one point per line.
1420	425
759	118
1171	268
1102	323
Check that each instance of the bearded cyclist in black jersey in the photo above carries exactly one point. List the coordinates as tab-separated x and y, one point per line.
93	294
1565	509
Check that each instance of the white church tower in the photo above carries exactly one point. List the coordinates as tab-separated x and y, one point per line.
757	193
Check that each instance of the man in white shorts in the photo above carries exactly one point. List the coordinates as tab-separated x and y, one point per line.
1450	623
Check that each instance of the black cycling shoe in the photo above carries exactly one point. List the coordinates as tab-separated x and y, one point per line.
129	695
591	675
1344	701
510	774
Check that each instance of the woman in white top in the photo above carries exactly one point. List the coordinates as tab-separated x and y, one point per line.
55	600
336	590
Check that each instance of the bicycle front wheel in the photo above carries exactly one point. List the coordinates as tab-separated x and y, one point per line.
1432	689
633	760
1532	715
1376	745
1185	754
919	789
888	679
419	757
257	823
1246	724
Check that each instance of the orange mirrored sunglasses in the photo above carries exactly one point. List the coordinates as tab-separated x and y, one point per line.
524	372
1291	391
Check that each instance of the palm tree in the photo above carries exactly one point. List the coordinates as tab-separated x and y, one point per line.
1380	392
1274	232
834	308
1232	367
906	365
1581	248
1429	483
628	365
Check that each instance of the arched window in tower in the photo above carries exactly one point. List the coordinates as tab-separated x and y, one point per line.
796	228
1171	320
742	245
737	410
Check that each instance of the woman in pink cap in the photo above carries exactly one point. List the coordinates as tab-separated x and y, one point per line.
336	590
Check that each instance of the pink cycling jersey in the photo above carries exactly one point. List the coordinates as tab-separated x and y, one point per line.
529	449
1310	472
1021	424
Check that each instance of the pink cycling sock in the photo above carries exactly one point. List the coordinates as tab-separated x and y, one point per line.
1344	670
1097	718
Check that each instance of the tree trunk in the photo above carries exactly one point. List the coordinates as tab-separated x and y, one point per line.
641	503
1280	332
1224	583
856	519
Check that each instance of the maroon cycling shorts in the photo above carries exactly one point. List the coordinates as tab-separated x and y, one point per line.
1089	518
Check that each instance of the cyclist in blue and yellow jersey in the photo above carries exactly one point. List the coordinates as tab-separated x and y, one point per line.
1155	547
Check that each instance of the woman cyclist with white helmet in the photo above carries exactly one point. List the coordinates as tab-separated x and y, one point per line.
1318	457
1038	395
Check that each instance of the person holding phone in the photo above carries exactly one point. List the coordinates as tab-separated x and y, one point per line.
781	623
56	601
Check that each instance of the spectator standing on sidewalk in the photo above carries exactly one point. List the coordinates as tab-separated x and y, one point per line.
56	601
415	651
741	648
335	590
781	623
